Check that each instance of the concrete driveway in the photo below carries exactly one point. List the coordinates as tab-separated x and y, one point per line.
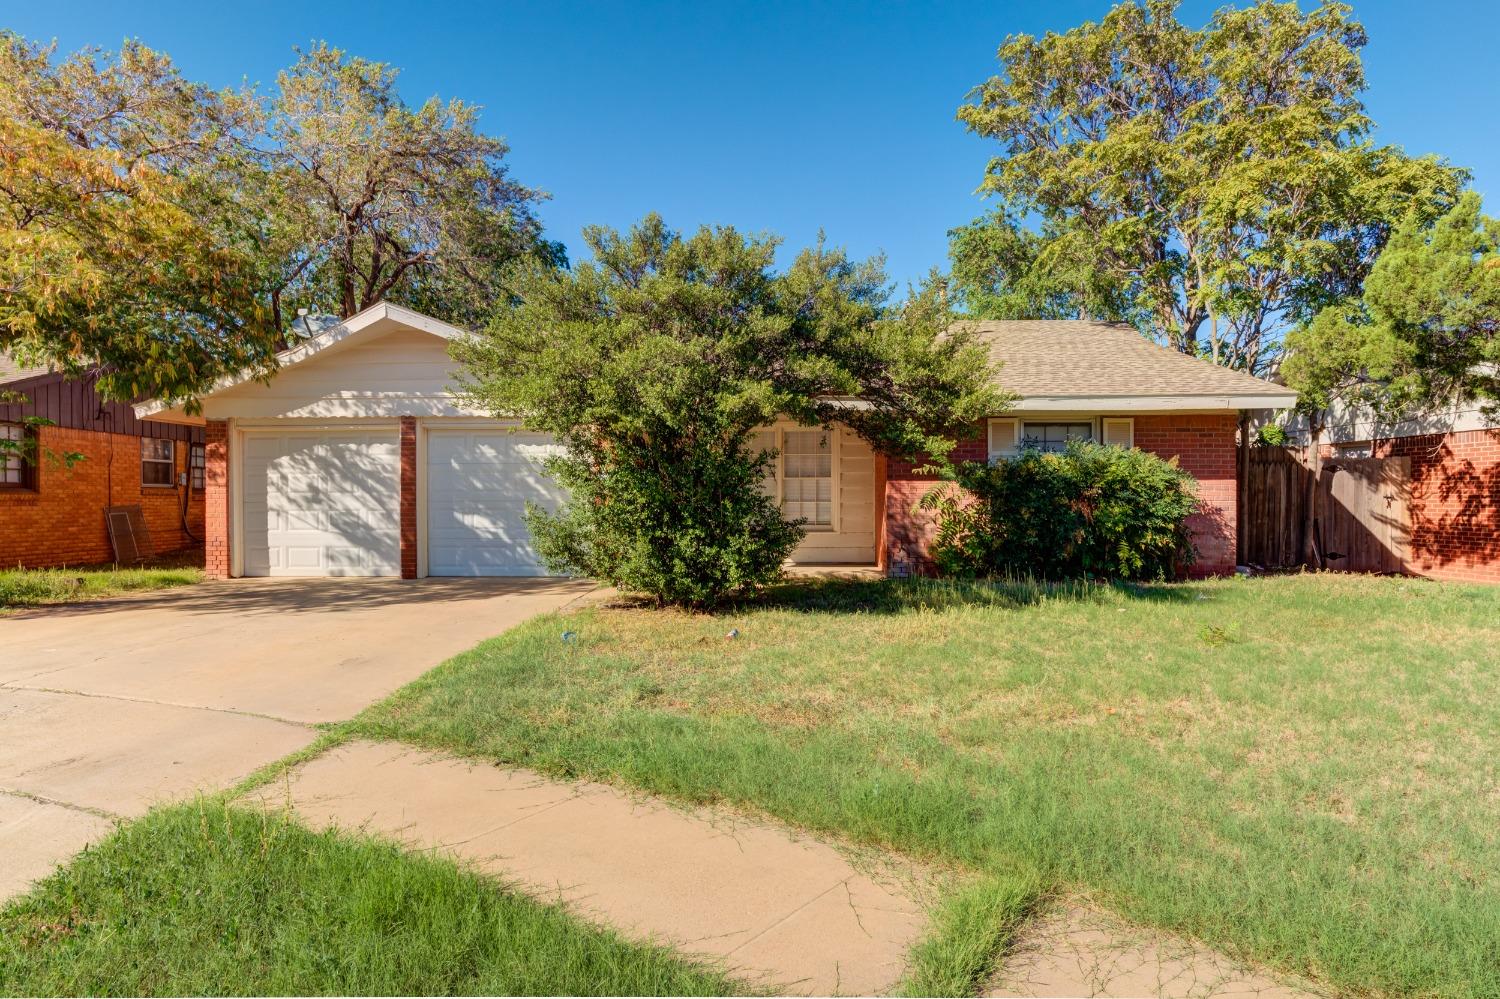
108	708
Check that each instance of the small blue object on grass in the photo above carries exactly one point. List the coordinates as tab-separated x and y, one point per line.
568	636
733	633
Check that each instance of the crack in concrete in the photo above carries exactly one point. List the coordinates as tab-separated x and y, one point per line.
160	704
42	799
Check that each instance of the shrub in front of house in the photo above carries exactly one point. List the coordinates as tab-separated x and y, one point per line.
1089	511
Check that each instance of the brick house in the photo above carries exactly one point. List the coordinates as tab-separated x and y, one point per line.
52	514
358	458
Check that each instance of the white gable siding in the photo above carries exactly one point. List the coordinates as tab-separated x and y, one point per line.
400	373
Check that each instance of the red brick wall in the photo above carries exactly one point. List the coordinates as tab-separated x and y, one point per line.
216	499
1204	446
408	497
1455	503
61	522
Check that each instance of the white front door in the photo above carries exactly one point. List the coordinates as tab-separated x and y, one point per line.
478	484
321	503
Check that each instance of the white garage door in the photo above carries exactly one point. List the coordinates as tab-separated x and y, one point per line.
322	503
478	483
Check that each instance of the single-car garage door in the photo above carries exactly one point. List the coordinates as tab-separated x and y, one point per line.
478	484
321	503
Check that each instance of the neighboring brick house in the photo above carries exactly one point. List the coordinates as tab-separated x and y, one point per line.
52	514
359	458
1454	495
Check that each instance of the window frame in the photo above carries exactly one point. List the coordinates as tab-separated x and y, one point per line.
1013	429
29	481
197	466
170	462
778	474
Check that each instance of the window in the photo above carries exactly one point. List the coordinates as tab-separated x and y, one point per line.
157	464
17	458
1361	450
1054	436
807	477
804	484
196	464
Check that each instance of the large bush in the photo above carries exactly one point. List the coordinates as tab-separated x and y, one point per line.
686	531
1092	510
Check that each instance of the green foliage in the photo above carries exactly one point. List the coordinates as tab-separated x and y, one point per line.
375	199
1424	332
688	529
1216	180
969	934
200	899
123	239
163	231
1272	435
655	361
1091	511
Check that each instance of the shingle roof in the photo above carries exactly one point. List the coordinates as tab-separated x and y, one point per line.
1091	359
12	370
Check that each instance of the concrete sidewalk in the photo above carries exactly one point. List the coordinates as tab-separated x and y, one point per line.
788	913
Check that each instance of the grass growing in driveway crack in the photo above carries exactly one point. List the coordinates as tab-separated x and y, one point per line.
206	899
1316	794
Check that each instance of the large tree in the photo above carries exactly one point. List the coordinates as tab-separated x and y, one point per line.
166	232
1423	332
123	241
1215	185
655	362
391	201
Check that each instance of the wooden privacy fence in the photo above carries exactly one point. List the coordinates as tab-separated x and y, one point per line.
1364	511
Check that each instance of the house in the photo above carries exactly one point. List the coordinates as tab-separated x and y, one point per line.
357	458
1453	492
53	513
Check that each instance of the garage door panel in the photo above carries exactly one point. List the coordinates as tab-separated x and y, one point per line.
321	503
478	485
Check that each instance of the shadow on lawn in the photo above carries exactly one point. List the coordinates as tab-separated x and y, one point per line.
897	596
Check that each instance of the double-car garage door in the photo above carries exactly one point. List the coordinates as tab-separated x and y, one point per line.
327	503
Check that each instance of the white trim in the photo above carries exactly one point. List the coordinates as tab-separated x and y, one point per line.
1129	423
832	435
350	327
993	453
1154	403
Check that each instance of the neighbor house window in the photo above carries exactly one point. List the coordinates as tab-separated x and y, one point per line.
157	464
17	463
801	477
195	464
1054	436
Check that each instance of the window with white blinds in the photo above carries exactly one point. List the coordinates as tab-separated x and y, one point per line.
801	475
807	477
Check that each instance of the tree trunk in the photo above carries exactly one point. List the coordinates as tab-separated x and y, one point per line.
1312	554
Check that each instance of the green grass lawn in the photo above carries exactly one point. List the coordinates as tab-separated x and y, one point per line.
1298	770
198	899
34	587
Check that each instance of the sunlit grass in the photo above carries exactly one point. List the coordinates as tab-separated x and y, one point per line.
1298	770
32	587
199	899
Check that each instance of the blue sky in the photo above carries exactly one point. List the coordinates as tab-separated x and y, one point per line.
787	117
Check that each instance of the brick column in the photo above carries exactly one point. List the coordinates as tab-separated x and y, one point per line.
408	497
216	499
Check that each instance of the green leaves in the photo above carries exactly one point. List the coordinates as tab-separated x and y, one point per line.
1216	181
1424	332
656	359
